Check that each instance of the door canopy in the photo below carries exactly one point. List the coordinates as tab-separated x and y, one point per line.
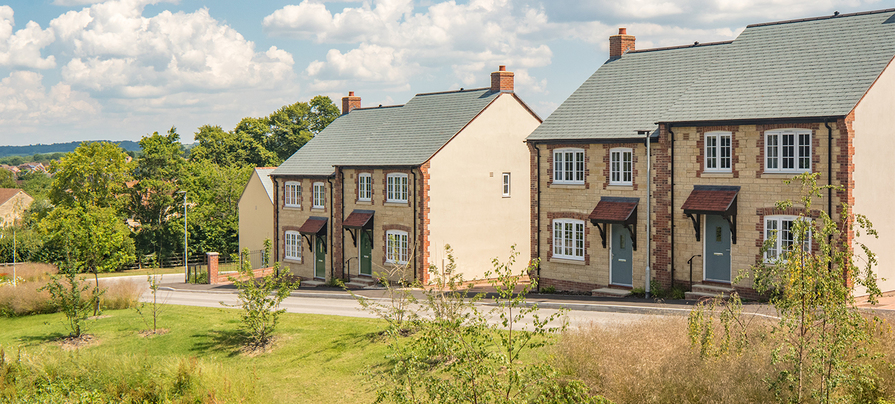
314	226
358	220
616	210
718	200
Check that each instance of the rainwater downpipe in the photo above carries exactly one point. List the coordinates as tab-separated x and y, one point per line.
538	207
332	227
649	197
829	167
671	217
416	216
346	272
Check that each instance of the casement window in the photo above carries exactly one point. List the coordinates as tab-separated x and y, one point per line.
293	245
319	195
781	230
621	166
718	152
396	247
787	151
568	166
506	185
364	187
292	194
396	188
568	239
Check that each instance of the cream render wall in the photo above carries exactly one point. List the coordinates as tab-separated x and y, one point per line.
874	175
14	208
255	215
467	209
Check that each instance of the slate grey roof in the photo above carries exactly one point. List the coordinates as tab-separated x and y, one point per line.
403	135
627	94
818	67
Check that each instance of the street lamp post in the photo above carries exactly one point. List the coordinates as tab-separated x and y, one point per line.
185	270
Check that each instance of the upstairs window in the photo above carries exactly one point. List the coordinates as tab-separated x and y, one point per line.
718	152
397	188
568	166
506	185
319	195
364	187
292	194
788	151
568	239
621	169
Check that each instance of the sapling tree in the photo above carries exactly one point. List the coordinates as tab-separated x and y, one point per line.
67	291
811	269
154	308
260	300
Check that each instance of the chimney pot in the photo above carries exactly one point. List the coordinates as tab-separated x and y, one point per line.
620	44
502	80
350	102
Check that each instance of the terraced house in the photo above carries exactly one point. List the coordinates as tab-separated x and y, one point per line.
383	189
728	123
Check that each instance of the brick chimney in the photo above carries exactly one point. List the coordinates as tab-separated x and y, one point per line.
502	80
620	44
350	102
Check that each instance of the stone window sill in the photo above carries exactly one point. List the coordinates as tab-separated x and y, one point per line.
709	174
566	261
363	203
401	204
292	260
620	187
784	176
567	186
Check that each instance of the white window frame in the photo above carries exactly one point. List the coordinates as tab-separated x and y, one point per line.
718	152
396	247
568	239
776	150
319	196
292	245
569	166
782	225
364	187
396	188
621	172
292	194
505	180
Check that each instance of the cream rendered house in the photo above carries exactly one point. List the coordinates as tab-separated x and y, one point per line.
256	211
13	203
384	189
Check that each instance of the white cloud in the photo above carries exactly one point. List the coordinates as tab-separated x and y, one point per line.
394	43
22	48
72	3
25	103
118	52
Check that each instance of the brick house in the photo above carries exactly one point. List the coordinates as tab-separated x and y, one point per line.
728	123
388	186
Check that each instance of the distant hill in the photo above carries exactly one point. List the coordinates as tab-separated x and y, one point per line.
31	150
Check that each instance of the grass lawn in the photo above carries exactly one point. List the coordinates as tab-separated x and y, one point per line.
316	358
144	271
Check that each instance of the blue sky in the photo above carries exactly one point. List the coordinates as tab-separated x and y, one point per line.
74	70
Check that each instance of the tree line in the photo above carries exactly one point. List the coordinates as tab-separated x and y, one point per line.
98	211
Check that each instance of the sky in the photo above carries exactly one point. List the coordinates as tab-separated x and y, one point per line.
74	70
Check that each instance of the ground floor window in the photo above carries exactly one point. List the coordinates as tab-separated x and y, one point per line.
293	245
396	247
781	230
568	239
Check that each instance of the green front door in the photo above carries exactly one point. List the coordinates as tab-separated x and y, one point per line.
366	249
320	257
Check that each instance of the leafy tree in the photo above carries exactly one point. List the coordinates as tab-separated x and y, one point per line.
95	174
230	148
292	126
7	179
213	212
153	202
91	239
37	184
812	282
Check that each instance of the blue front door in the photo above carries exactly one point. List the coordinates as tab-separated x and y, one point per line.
717	249
621	254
